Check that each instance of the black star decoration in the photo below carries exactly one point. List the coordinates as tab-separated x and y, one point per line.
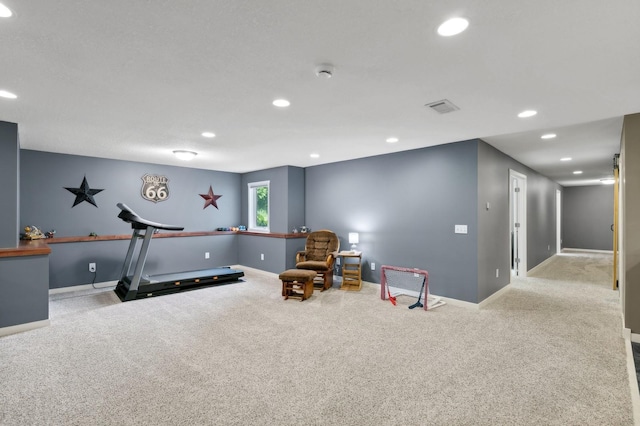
84	193
210	199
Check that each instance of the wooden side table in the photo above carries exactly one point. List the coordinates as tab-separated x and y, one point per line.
351	270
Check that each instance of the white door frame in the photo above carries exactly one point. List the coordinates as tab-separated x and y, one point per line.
558	221
519	208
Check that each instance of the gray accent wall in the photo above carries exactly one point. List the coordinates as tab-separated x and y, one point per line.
46	204
404	206
494	232
10	187
630	223
286	211
24	290
587	216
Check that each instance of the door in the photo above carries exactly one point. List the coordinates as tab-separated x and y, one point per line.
518	222
558	221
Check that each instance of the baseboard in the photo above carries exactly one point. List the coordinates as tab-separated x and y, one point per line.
100	285
541	264
5	331
579	250
450	301
494	296
631	370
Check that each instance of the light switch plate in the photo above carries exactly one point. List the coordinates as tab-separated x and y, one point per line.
460	229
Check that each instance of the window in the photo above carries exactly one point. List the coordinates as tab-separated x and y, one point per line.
259	206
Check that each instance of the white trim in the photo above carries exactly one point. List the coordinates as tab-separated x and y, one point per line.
101	285
579	250
558	221
5	331
541	264
633	378
252	205
412	293
494	296
522	239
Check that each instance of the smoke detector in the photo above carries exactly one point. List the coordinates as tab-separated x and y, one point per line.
325	71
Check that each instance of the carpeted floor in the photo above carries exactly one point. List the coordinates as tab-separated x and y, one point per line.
547	352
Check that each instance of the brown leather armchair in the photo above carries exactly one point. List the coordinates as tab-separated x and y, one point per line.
319	255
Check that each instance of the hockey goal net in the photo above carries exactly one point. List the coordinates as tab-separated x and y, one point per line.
399	281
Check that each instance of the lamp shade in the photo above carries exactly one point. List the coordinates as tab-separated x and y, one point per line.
354	238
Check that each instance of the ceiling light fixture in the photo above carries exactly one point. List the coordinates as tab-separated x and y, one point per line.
452	27
208	134
8	95
565	159
548	136
314	155
281	103
528	113
5	12
577	172
608	181
392	140
185	155
325	71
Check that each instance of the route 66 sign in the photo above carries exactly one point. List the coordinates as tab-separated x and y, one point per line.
155	188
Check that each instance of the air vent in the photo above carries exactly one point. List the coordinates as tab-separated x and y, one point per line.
442	107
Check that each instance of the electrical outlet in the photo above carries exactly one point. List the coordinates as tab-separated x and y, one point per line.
261	256
497	273
206	254
92	267
373	266
337	261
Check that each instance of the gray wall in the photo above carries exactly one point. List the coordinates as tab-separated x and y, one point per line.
630	247
494	233
287	210
587	215
10	183
493	224
47	204
405	206
24	290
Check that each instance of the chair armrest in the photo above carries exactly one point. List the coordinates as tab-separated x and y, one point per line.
301	256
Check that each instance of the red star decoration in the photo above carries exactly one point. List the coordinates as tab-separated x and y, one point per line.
210	199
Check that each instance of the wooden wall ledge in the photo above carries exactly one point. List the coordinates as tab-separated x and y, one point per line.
27	248
59	240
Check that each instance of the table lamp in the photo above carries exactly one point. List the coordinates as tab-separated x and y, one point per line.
353	240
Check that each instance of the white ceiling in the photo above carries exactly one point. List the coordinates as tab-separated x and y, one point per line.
135	80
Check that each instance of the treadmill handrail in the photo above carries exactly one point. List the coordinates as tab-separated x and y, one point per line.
137	222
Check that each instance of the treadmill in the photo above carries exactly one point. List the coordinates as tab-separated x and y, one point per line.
138	286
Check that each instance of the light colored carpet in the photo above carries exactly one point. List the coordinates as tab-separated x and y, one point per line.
548	352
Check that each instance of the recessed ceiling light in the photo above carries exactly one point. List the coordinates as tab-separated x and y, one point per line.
548	136
452	27
282	103
5	12
208	134
527	113
565	159
8	95
185	155
392	140
314	155
577	172
608	181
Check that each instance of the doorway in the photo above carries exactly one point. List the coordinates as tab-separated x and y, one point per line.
518	222
558	221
